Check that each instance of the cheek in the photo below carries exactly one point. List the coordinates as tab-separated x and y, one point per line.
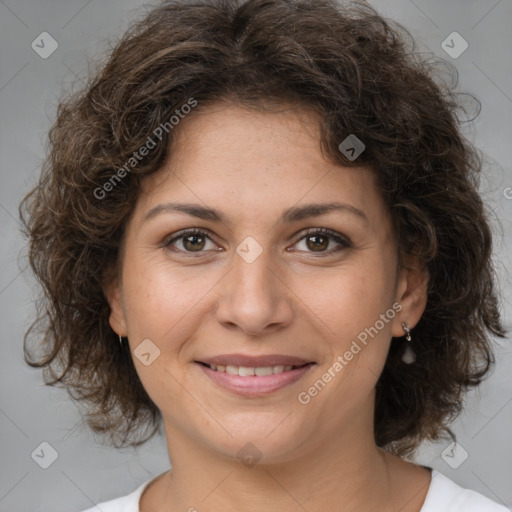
346	300
151	297
163	299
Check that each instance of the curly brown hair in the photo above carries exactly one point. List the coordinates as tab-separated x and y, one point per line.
363	75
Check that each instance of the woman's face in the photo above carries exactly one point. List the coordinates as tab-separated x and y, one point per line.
255	284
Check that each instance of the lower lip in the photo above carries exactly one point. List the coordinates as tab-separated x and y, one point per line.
254	385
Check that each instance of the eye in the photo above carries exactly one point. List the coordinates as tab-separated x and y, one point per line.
317	239
191	241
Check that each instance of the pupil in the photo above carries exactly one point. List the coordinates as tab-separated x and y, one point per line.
316	245
192	237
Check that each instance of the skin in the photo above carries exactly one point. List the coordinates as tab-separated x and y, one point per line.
294	299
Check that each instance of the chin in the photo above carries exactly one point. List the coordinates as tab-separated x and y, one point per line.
264	445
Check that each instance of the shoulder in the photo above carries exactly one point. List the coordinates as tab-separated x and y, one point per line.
446	495
127	503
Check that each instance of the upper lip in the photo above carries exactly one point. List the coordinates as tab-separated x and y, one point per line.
255	361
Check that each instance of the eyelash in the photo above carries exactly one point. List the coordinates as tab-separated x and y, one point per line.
344	242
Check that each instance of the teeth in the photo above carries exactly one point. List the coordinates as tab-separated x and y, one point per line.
232	370
245	371
262	371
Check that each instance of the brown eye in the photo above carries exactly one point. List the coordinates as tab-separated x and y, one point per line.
190	241
194	242
318	240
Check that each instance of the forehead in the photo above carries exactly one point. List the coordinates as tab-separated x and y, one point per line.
249	161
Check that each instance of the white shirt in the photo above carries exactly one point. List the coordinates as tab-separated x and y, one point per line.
443	495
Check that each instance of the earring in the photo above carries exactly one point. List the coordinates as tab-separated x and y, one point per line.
407	330
120	340
408	356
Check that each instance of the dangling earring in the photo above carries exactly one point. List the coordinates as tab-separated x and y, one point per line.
408	356
407	330
120	340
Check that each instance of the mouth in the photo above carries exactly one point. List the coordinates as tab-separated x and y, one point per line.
249	371
252	379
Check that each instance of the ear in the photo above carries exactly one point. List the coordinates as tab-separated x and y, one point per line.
117	318
411	293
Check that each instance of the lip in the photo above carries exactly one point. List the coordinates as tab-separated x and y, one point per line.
254	361
255	386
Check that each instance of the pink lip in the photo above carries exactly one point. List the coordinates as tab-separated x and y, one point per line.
254	386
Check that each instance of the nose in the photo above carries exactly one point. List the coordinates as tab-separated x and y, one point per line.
254	298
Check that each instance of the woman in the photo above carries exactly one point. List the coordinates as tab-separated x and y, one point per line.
259	226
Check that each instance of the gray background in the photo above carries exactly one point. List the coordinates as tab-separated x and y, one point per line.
30	412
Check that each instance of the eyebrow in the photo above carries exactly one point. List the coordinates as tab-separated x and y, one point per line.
292	214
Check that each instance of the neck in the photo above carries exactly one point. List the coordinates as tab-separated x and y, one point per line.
345	472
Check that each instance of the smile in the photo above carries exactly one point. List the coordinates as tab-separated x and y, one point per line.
246	371
254	381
